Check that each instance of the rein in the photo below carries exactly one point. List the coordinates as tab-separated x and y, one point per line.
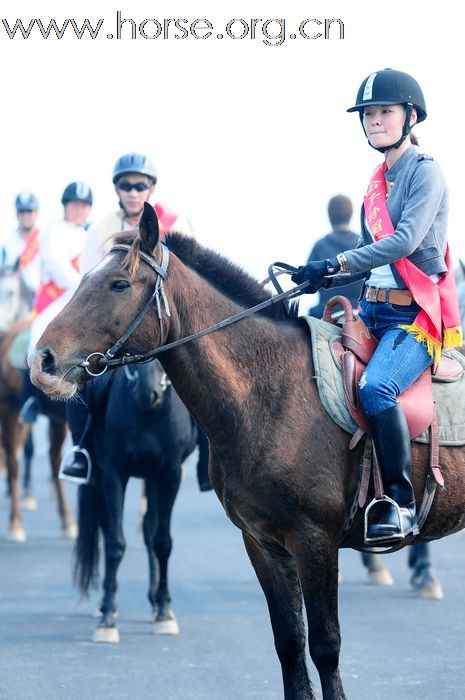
108	359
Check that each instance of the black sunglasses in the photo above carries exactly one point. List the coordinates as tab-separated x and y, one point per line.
138	186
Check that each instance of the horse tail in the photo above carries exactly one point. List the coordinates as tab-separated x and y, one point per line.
86	551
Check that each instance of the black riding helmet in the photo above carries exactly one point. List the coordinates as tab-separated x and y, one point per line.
391	87
77	191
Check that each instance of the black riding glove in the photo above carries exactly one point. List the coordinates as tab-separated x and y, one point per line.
315	272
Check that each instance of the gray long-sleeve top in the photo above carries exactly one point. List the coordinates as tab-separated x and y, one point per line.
418	206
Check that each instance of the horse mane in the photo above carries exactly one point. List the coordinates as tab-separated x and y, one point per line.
227	277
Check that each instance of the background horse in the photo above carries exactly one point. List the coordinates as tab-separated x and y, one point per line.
140	428
279	465
424	579
15	300
16	435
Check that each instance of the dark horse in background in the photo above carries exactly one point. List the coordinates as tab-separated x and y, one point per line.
14	305
140	428
280	466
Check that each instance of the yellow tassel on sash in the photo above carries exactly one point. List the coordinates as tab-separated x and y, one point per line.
453	338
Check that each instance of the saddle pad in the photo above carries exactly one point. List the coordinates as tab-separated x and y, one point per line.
449	397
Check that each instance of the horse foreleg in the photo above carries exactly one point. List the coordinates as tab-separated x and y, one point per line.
13	435
278	578
377	572
165	621
57	435
149	525
113	489
424	578
317	565
28	452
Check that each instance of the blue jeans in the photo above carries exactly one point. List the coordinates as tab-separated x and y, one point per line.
398	360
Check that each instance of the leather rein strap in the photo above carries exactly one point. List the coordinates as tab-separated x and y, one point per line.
108	360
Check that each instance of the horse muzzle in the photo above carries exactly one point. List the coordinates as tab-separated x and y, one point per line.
46	376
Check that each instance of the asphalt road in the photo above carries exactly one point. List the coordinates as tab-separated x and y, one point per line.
395	646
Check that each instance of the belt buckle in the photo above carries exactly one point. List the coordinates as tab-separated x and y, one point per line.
372	294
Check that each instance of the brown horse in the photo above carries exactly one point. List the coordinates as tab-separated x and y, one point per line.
279	465
13	438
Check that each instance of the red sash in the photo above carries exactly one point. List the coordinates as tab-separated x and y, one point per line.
438	323
49	291
166	218
31	248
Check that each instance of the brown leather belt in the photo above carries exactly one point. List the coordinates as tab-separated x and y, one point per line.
402	297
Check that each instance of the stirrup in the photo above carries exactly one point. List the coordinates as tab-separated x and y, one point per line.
391	538
68	460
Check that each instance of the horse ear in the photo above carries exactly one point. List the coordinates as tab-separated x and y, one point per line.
148	227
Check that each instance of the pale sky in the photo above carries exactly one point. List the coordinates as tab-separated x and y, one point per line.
250	140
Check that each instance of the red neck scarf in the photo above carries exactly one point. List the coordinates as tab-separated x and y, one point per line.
438	322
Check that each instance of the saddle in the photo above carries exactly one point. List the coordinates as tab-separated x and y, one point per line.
354	350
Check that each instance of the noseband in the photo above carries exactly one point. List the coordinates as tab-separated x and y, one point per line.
108	359
159	292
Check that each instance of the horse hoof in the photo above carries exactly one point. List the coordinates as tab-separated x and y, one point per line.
430	588
168	626
29	503
106	635
17	534
70	532
380	577
98	613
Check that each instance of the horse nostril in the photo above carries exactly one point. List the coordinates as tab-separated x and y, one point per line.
48	361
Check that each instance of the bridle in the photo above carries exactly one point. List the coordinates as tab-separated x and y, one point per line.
107	359
158	293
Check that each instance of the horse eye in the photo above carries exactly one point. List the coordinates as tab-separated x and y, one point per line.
119	285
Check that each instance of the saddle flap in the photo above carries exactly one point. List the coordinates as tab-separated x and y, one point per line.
418	404
352	370
416	401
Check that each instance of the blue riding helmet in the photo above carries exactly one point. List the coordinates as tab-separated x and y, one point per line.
26	201
134	163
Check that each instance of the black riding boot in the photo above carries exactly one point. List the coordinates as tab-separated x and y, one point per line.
391	439
77	465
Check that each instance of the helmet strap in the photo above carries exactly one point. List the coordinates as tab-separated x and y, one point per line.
405	131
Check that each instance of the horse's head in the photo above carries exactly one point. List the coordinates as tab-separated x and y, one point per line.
108	300
149	383
15	301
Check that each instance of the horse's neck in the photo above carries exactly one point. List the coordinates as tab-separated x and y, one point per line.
225	376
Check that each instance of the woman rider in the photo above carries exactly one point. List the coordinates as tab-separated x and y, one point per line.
409	300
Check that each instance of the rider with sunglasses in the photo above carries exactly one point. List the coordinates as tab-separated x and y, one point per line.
135	179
